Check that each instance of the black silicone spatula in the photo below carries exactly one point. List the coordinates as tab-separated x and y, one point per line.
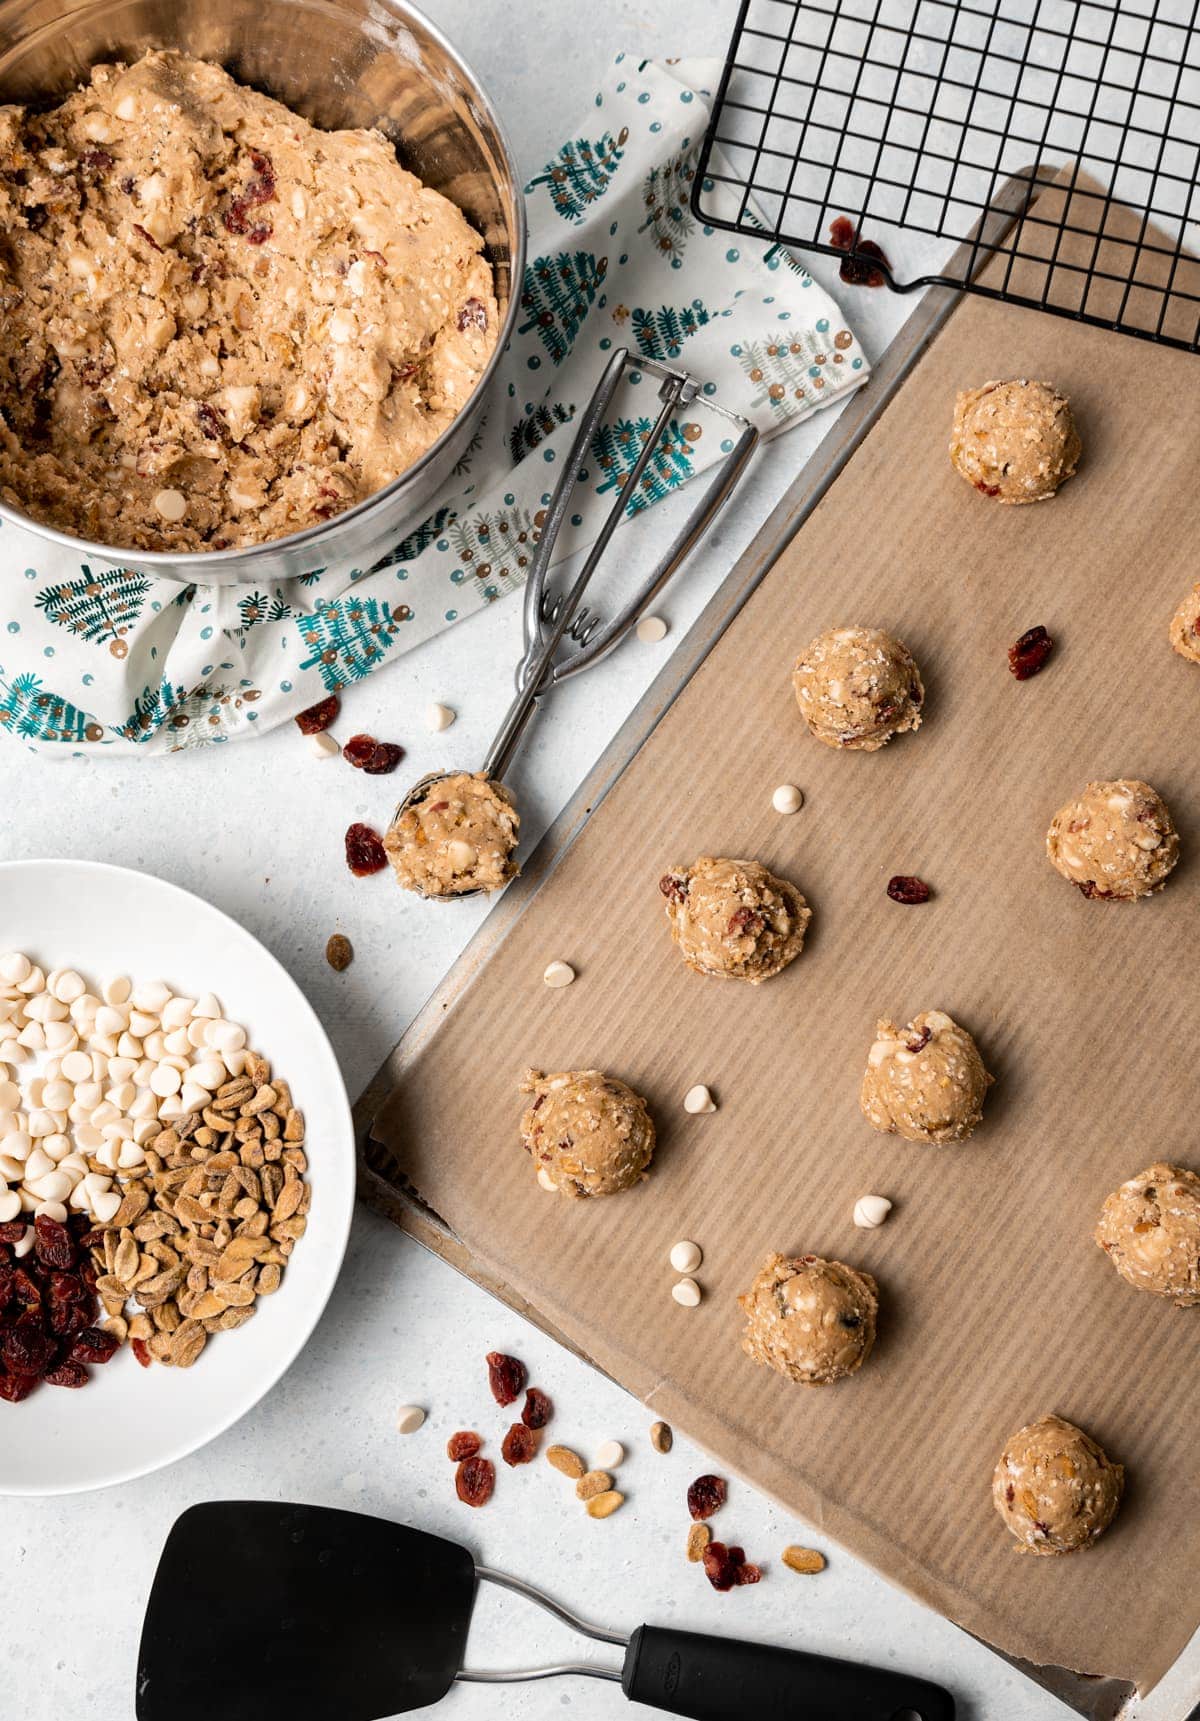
266	1612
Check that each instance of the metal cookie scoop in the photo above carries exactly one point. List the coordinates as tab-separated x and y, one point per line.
551	617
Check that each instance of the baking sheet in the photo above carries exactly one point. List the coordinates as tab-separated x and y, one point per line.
996	1306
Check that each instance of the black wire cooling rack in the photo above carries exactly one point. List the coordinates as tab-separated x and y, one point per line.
1064	135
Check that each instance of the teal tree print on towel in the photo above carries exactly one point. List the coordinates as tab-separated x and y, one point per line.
791	374
462	465
557	295
30	710
151	709
496	548
348	636
666	195
256	609
660	334
210	714
615	449
409	548
99	608
580	173
540	419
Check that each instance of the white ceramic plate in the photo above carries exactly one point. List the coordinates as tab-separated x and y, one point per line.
127	1421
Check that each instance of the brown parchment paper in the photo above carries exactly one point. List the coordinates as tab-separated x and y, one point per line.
996	1306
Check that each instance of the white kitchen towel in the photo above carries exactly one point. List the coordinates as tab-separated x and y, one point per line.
95	656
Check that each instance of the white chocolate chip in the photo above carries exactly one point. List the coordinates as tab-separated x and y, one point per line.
559	974
460	855
870	1211
170	505
15	967
609	1455
685	1258
323	746
409	1418
687	1293
698	1099
546	1181
787	798
651	629
438	717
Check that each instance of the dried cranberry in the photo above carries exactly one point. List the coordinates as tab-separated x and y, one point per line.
359	750
744	923
905	888
12	1231
384	759
506	1377
538	1408
25	1287
141	1351
15	1387
93	1345
748	1574
96	160
318	717
473	315
520	1445
67	1374
52	1243
1029	655
722	1564
673	887
474	1481
918	1042
464	1444
706	1496
6	1284
26	1348
211	422
365	852
148	237
259	189
844	236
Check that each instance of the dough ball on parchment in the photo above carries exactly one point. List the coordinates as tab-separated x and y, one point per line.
857	687
1115	841
925	1082
1150	1230
1015	441
812	1321
587	1133
1184	632
1055	1488
733	919
459	834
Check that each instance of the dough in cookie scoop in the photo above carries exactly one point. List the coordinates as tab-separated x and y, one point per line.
1054	1487
1015	441
458	834
733	919
1150	1230
812	1321
1184	632
1115	841
857	687
925	1082
587	1133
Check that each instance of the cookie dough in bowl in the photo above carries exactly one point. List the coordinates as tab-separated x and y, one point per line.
1115	841
734	920
221	325
1150	1230
455	834
1014	440
1055	1488
926	1081
587	1133
812	1321
1184	632
857	687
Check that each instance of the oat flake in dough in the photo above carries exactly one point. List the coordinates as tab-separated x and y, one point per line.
857	687
1015	440
1150	1230
734	920
207	299
459	834
1115	841
926	1081
587	1133
812	1321
1055	1488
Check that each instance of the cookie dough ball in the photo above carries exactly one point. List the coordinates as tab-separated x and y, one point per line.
857	687
459	834
1015	441
1150	1230
925	1082
1115	841
587	1133
1054	1487
1184	631
733	919
810	1320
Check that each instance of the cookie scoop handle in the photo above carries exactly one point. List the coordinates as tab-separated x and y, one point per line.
721	1679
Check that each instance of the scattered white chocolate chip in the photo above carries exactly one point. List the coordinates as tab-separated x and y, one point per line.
409	1418
870	1211
546	1181
323	745
686	1257
170	505
686	1292
787	798
698	1099
559	974
461	855
651	629
610	1455
438	717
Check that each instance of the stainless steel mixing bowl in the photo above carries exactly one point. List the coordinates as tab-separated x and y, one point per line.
339	63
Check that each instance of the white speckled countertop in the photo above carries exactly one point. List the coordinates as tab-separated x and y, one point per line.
256	829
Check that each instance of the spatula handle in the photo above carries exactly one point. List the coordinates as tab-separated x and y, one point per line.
720	1679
